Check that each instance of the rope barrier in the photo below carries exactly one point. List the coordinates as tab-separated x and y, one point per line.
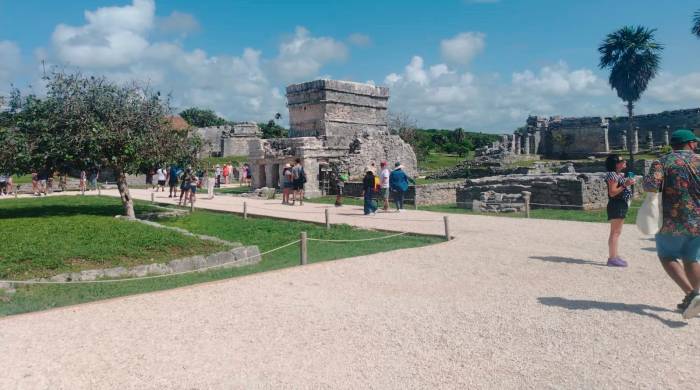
361	239
28	282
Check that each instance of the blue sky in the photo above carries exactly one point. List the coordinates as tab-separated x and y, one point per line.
481	65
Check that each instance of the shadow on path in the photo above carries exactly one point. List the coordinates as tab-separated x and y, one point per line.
642	310
568	260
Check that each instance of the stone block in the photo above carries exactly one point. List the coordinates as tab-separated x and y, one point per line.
91	274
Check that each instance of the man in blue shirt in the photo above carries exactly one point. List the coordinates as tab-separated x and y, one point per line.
398	184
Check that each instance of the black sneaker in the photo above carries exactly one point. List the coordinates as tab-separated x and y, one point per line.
684	303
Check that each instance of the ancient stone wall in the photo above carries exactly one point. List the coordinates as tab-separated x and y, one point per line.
656	124
336	108
578	136
229	140
578	191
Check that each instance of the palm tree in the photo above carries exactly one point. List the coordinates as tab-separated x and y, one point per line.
696	24
633	57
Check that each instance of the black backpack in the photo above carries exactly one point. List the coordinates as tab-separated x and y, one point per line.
302	178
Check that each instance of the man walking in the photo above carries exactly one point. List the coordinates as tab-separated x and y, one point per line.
398	183
299	177
676	175
384	184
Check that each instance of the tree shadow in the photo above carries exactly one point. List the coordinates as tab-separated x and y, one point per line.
568	260
642	310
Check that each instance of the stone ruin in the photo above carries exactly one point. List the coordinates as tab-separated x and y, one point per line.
335	126
229	140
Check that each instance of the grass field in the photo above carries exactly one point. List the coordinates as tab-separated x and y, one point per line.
233	190
127	246
48	236
437	161
566	215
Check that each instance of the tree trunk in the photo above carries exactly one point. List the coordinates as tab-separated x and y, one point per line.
630	136
127	201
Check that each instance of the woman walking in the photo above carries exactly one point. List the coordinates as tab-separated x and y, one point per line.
287	182
619	195
368	191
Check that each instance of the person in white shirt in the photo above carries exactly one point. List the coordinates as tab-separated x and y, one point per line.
384	184
162	175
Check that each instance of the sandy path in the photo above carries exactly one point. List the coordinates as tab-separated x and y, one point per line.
508	303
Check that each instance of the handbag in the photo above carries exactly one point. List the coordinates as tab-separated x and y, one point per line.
650	216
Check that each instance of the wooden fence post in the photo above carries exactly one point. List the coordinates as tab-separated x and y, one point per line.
526	199
447	228
328	220
245	210
303	253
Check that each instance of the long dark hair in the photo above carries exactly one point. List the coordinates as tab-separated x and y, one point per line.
611	162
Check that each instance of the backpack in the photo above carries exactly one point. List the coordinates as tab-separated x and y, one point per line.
302	177
377	185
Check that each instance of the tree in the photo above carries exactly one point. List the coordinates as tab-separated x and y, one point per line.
458	135
199	117
272	130
633	57
696	24
92	123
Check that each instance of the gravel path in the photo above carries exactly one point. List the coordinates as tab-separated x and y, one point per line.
509	303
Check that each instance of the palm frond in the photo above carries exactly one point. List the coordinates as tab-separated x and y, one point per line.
696	24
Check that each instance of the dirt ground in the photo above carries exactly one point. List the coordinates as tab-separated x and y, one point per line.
509	303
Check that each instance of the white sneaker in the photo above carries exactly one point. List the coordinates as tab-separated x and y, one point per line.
693	308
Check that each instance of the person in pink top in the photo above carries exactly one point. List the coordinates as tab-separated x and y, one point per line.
226	172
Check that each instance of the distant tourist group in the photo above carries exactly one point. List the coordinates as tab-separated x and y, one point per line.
378	187
676	175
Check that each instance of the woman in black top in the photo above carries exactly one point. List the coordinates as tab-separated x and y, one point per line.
619	195
368	192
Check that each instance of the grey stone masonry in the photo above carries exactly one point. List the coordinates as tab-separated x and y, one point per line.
336	108
567	191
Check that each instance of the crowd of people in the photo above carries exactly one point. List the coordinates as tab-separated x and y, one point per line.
676	175
378	187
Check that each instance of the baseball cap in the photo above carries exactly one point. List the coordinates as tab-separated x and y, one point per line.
682	136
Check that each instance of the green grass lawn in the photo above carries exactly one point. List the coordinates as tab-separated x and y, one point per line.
24	179
212	161
437	161
562	214
48	236
127	245
233	190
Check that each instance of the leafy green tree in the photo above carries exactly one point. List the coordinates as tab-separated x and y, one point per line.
199	117
90	122
458	135
633	56
696	24
272	130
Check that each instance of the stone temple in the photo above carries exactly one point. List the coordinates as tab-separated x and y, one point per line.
338	126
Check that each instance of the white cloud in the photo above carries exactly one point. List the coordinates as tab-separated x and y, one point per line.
178	22
668	88
113	36
302	55
9	65
463	47
444	97
359	39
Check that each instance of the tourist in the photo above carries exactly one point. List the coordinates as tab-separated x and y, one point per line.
287	182
230	172
43	177
676	175
384	184
10	185
3	184
185	181
235	173
172	180
368	186
244	174
83	181
149	178
162	174
94	175
35	183
217	175
340	180
619	196
248	179
398	184
225	173
299	177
